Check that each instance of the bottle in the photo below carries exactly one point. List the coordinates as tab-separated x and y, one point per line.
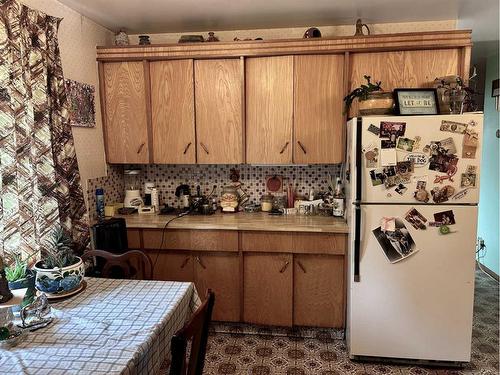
99	203
338	199
155	200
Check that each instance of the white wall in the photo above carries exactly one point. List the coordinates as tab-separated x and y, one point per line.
78	38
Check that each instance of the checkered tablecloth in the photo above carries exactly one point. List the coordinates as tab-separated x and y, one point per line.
112	327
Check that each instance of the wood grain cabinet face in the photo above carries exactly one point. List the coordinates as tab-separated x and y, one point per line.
172	111
269	109
219	272
219	111
126	127
268	283
422	67
318	291
318	118
172	266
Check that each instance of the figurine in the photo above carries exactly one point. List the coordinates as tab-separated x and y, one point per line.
212	37
121	39
359	27
36	312
312	32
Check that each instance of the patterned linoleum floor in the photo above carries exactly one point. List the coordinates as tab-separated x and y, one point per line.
248	350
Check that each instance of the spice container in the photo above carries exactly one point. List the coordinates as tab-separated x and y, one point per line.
266	202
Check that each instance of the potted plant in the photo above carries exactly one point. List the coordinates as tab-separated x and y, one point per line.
371	98
59	270
20	276
454	96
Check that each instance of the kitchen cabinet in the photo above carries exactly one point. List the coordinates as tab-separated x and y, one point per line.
219	272
172	112
269	109
318	106
125	112
173	266
318	290
422	67
267	289
219	111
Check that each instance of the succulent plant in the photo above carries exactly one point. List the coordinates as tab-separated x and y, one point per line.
57	251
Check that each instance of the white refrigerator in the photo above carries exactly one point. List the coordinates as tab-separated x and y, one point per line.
412	194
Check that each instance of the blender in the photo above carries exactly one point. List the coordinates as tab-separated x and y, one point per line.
132	188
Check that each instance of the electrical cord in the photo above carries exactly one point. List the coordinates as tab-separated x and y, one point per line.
163	235
480	254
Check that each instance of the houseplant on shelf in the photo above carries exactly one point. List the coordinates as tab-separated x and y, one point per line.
20	276
59	271
372	100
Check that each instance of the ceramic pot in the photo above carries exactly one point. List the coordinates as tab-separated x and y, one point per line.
377	103
59	280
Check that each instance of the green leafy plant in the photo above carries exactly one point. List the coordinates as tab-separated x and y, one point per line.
57	251
16	268
362	92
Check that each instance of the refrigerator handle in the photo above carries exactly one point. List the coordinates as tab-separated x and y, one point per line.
357	240
358	155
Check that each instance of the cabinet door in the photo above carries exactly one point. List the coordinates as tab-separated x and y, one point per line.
318	120
318	291
126	128
220	272
171	266
269	109
267	289
219	112
172	107
387	67
422	67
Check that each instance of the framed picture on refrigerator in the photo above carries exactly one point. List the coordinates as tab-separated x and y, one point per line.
416	102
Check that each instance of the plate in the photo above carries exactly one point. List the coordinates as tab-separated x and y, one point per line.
69	293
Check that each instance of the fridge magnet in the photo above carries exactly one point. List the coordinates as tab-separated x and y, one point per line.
392	130
440	195
404	167
460	194
471	169
405	144
443	163
388	224
421	195
416	143
397	244
377	176
416	219
391	181
469	145
448	146
373	129
371	158
445	217
444	229
419	159
401	189
452	126
81	104
388	155
468	180
421	184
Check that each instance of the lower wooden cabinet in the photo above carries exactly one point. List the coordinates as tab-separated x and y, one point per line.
172	266
318	290
267	288
219	272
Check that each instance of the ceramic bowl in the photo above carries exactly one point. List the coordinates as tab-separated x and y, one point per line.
59	280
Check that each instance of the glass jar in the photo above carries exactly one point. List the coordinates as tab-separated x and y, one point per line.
266	202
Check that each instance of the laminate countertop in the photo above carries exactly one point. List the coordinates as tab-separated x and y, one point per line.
258	221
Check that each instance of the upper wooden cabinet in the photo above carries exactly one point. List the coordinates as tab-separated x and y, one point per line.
219	111
125	114
172	112
269	109
318	118
422	67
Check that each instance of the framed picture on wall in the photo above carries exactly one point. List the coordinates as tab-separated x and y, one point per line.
416	102
81	103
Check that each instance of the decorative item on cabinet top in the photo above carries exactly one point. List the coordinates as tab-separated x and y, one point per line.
372	100
359	28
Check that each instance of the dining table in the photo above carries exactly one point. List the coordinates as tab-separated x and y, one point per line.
113	326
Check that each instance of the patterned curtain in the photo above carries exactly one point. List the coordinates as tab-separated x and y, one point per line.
39	178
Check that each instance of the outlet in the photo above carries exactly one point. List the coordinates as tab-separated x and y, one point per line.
480	244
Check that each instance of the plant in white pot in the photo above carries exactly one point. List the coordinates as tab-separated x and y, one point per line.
59	270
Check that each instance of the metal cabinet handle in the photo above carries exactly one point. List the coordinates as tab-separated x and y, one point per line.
184	264
204	147
187	147
285	266
301	266
141	147
201	263
284	148
302	147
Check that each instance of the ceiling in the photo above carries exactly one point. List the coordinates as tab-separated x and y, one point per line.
157	16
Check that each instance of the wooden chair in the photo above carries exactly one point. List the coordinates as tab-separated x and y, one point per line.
195	330
133	264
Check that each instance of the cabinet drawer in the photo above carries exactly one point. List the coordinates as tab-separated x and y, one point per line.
287	242
200	240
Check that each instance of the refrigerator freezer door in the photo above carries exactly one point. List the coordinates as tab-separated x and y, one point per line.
427	128
419	307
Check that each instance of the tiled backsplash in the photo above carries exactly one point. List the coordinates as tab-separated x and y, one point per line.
253	179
